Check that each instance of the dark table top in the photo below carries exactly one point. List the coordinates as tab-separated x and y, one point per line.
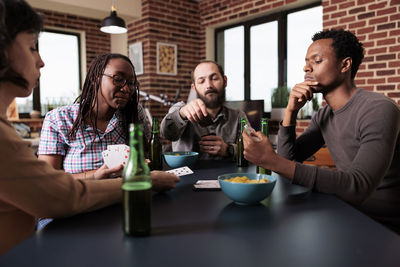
293	227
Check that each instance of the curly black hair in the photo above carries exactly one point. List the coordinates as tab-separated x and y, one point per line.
346	44
16	16
88	98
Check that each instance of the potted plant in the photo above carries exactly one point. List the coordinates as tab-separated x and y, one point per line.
315	105
279	101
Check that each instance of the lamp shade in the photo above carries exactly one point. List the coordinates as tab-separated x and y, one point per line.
113	24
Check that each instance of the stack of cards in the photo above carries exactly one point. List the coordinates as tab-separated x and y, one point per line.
116	155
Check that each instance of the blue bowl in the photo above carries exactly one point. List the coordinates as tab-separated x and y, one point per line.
247	194
179	159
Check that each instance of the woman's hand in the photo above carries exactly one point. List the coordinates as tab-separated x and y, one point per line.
104	172
163	181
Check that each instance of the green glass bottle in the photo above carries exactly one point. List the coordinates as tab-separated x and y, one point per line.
136	187
240	160
155	147
264	130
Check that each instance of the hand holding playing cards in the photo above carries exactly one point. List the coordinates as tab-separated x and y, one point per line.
104	172
213	145
163	181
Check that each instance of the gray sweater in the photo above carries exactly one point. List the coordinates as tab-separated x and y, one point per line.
364	142
186	135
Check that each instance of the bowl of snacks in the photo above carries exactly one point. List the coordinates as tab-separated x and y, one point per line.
180	158
247	188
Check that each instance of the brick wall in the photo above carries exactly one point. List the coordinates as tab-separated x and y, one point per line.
169	21
97	42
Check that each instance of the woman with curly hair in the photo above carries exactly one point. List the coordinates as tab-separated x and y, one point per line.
74	136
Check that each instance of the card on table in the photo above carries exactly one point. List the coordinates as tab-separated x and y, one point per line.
207	185
181	171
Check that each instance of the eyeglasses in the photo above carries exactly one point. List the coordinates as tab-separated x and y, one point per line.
121	81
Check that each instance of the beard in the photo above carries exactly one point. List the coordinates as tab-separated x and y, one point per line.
212	101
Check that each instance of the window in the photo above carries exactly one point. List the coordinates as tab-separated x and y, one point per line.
60	77
272	55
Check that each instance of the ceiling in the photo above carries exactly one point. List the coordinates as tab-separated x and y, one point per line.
99	9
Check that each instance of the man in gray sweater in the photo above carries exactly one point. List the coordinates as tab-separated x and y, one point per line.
360	128
205	124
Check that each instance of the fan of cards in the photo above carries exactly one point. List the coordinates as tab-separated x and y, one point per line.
116	155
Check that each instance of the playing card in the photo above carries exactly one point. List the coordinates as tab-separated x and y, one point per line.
207	184
107	158
116	155
181	171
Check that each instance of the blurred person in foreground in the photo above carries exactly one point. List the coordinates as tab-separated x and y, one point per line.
30	188
204	125
360	128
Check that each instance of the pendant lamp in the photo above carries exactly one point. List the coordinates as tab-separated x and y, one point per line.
113	24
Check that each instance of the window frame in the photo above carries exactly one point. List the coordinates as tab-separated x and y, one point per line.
281	18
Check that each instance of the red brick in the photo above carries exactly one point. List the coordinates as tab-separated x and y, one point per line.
386	26
378	20
377	51
329	9
386	42
365	30
395	17
347	19
366	15
359	81
391	10
338	14
377	6
385	57
335	2
357	24
362	2
365	74
394	64
392	95
378	35
394	79
385	87
376	81
385	72
394	48
346	5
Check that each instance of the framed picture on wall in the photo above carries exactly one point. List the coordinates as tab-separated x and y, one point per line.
166	59
136	56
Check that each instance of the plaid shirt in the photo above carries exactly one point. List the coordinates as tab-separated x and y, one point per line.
84	152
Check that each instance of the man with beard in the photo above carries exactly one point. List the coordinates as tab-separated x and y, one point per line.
204	125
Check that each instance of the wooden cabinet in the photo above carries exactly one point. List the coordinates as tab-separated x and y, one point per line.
321	158
34	124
